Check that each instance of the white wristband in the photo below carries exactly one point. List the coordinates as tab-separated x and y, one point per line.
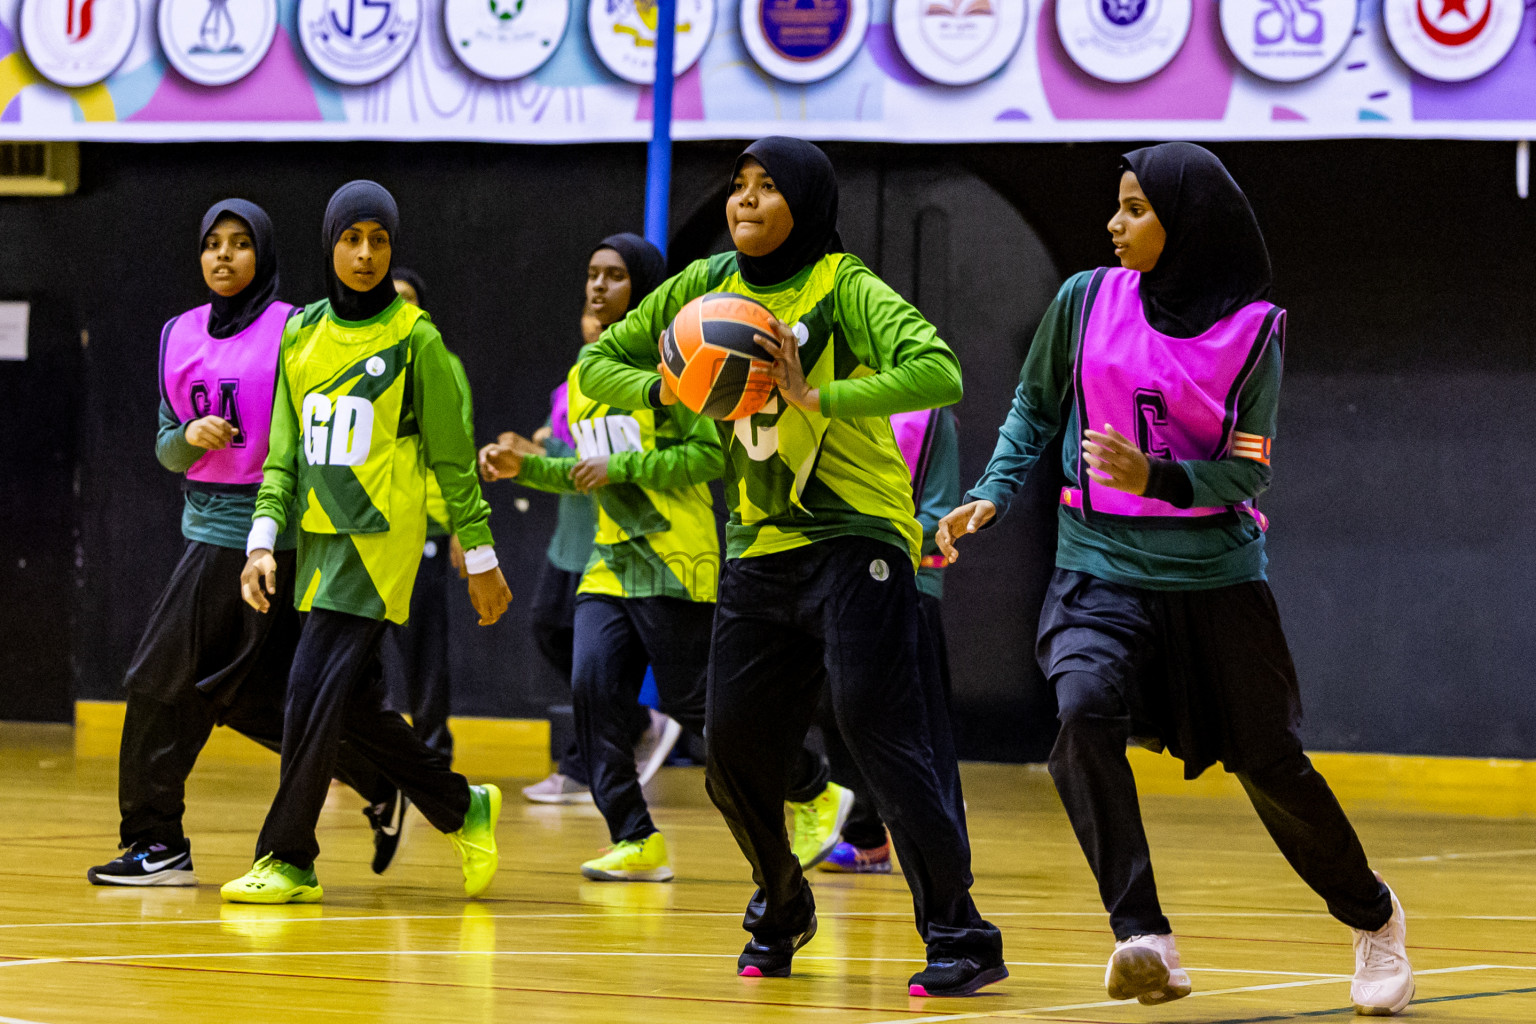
263	535
480	559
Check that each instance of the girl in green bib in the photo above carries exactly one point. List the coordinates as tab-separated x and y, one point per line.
367	404
817	588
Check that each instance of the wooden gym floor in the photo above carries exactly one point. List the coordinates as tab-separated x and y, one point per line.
547	946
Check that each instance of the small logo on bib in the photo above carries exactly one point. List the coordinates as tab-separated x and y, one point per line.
375	367
879	570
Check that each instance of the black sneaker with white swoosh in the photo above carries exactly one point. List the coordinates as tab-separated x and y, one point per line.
147	864
388	819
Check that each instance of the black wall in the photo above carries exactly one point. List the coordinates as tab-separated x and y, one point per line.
1399	552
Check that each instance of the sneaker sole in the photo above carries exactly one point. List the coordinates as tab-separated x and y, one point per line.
302	894
662	874
1177	988
844	810
990	976
1137	972
847	869
171	878
558	798
1387	1011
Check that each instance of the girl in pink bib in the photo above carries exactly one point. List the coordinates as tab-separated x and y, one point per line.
1162	378
205	658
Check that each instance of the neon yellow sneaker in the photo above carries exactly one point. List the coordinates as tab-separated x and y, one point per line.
273	881
643	860
476	839
819	823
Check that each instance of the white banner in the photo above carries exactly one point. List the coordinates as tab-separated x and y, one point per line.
1180	69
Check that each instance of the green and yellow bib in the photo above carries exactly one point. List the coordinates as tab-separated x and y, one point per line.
361	481
649	543
795	476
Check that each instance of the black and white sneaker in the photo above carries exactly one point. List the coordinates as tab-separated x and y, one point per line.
388	819
147	864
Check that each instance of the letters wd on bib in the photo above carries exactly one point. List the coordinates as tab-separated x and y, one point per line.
878	70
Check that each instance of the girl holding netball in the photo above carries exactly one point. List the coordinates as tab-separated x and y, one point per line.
1163	375
817	588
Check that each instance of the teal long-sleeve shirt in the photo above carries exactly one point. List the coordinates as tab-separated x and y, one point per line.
940	494
1198	558
207	517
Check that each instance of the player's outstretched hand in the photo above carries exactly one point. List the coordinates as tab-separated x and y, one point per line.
968	518
260	568
490	595
1115	461
211	432
498	462
787	372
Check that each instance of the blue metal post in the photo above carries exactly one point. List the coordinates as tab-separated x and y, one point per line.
658	163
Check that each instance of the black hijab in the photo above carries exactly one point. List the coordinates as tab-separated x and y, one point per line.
353	203
413	279
647	266
234	314
804	175
1214	261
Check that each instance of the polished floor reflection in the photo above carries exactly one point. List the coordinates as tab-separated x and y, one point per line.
547	946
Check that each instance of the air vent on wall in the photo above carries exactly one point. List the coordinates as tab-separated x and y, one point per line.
39	168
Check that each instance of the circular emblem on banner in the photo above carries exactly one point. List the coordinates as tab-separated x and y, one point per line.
803	40
216	42
624	36
958	42
355	42
504	39
1288	40
1123	40
74	43
1452	40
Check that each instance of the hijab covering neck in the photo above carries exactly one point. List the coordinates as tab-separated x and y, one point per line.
235	313
646	265
1215	261
804	175
354	203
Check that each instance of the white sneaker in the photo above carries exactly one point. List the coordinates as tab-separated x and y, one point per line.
558	789
1383	982
1146	967
655	744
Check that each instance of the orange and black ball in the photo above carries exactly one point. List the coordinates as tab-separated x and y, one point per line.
711	359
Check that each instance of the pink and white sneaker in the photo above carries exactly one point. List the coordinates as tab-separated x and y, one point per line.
1383	982
1146	968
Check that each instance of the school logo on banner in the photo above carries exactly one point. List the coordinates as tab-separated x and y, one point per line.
1452	40
958	42
216	42
504	39
355	42
75	43
1288	40
1123	40
803	40
624	36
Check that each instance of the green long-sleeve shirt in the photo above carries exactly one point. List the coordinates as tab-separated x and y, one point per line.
216	518
437	508
1200	557
655	524
794	477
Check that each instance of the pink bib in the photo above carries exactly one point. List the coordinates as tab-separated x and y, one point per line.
233	378
911	428
1175	397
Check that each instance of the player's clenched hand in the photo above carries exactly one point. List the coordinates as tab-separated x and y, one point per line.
498	462
590	473
211	432
968	518
1115	461
668	396
490	595
260	568
787	372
